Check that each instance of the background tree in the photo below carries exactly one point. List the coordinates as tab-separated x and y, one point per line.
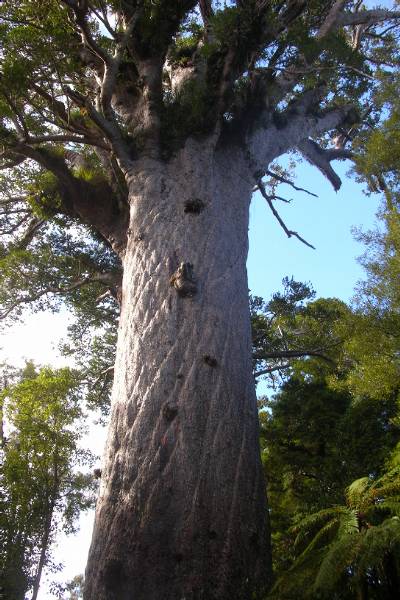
124	119
41	488
336	421
291	328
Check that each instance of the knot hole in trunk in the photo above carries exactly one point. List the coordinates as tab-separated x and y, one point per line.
184	281
193	206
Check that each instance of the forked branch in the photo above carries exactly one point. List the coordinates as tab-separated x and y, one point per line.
321	158
290	233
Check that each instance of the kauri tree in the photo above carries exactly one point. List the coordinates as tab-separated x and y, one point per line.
133	133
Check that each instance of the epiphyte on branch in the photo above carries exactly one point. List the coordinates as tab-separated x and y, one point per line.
183	280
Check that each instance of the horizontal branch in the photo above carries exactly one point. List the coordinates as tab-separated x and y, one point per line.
271	140
292	354
366	17
321	158
271	370
106	279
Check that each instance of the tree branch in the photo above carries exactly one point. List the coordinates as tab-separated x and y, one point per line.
293	354
365	17
288	232
288	182
271	370
270	140
322	158
110	129
100	277
29	234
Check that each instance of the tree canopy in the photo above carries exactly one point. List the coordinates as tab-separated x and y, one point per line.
87	88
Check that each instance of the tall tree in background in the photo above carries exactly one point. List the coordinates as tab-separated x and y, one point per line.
42	489
145	125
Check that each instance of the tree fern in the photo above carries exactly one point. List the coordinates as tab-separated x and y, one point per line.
338	559
348	545
355	493
377	542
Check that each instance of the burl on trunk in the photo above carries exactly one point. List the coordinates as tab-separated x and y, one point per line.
181	513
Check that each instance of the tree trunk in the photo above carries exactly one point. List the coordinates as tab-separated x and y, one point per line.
43	551
181	512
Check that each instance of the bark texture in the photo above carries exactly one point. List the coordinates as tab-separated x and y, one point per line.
181	513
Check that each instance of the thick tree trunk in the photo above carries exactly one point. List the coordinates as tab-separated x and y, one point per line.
181	512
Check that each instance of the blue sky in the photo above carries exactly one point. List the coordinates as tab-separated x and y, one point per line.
325	222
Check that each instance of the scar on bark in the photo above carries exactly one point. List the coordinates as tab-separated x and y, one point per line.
170	411
210	360
183	280
112	574
194	206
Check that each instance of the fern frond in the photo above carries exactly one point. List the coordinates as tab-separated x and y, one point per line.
298	581
355	493
390	507
340	556
321	539
376	542
310	523
348	523
390	489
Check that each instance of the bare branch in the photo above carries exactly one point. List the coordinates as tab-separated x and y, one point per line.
110	129
41	139
288	182
80	12
271	370
271	141
102	16
206	11
288	232
331	19
105	373
112	67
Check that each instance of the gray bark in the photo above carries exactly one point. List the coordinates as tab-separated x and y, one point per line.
181	513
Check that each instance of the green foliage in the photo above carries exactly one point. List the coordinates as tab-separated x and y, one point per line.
186	112
225	22
41	488
292	333
357	545
314	442
379	147
56	265
181	51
